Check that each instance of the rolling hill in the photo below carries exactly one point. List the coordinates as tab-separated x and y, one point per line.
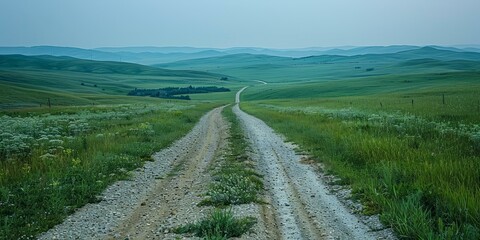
31	80
331	67
61	51
160	55
133	55
88	66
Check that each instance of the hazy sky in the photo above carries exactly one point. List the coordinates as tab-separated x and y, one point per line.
230	23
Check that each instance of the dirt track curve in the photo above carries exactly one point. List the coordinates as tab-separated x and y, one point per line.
164	193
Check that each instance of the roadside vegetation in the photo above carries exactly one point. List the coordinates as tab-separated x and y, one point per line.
53	161
419	167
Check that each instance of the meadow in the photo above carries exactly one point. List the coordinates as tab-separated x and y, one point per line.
417	165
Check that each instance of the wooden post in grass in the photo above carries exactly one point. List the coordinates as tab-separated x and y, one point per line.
412	102
381	106
443	98
49	104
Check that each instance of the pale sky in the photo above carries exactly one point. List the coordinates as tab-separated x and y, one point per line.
238	23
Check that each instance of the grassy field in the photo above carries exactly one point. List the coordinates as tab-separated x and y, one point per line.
401	128
417	165
442	96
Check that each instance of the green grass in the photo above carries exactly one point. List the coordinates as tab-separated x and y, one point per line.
418	171
49	179
236	181
376	85
220	224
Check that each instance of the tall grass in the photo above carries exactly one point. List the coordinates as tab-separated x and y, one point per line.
422	180
75	155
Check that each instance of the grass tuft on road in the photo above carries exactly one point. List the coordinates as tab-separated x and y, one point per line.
236	182
220	224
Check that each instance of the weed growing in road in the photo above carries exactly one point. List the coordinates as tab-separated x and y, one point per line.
236	182
233	189
220	224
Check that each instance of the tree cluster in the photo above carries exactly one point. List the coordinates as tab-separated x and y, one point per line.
175	92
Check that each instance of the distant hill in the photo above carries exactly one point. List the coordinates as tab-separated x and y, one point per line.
88	66
252	59
28	81
132	55
160	55
440	54
233	60
154	49
297	52
284	69
61	51
368	50
417	53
